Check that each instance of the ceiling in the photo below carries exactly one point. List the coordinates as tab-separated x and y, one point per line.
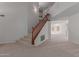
45	5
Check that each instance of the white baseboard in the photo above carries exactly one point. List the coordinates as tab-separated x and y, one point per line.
75	42
7	42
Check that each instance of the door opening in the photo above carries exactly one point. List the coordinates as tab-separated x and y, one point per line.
59	30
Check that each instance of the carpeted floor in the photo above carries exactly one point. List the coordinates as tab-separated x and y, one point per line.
47	49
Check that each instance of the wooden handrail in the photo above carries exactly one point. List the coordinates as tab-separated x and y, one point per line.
36	30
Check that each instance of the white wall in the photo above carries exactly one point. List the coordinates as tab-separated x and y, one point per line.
59	7
71	11
33	15
15	23
74	28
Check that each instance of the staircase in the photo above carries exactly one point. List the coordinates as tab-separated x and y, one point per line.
29	40
37	29
26	41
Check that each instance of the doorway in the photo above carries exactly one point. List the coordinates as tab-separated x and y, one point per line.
59	30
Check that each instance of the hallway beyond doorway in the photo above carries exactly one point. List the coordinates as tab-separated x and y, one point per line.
59	30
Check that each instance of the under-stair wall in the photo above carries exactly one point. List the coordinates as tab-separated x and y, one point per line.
43	35
37	29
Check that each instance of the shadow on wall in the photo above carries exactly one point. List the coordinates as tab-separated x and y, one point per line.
68	12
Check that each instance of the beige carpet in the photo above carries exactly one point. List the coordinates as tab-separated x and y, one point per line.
48	49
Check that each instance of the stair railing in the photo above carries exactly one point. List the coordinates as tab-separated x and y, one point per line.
36	30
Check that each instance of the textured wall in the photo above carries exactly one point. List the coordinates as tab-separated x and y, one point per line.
15	23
